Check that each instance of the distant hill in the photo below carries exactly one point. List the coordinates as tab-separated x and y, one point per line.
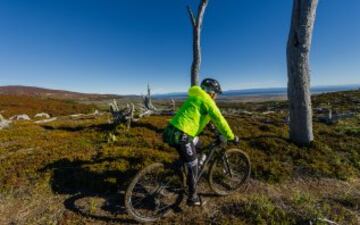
11	105
249	94
54	94
257	92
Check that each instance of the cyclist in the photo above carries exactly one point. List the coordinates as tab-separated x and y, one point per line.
189	122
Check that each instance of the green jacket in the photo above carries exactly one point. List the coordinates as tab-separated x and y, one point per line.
196	113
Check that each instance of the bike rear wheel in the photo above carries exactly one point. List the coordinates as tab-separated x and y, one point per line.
153	193
229	172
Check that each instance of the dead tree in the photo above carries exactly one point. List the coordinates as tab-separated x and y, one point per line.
197	22
130	113
333	118
298	49
149	109
120	115
147	100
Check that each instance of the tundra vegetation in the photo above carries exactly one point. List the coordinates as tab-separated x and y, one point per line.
68	172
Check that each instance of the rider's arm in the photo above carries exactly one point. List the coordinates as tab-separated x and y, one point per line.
203	123
219	121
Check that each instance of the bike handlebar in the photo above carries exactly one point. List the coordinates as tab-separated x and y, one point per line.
219	137
221	140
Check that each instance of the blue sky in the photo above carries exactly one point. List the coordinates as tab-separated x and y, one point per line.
118	46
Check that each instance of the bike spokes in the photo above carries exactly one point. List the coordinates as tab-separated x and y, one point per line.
229	172
153	192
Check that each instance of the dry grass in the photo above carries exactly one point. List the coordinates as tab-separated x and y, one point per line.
67	172
15	105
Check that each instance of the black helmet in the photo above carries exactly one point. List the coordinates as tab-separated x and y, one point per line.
211	86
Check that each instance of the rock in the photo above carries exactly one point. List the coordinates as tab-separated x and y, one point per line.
42	115
4	123
20	117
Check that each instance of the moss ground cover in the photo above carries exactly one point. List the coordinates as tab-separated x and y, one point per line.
73	165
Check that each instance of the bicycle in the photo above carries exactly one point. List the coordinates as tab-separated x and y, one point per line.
159	188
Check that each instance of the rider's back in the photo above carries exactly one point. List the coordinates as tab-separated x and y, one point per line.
196	113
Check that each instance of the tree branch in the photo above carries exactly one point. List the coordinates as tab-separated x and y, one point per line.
201	12
192	17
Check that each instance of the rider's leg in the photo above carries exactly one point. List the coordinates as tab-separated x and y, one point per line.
188	153
193	171
185	145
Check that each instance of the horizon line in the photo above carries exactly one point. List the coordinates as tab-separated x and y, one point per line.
177	92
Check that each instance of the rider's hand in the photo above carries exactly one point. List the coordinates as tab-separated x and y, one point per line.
235	140
224	140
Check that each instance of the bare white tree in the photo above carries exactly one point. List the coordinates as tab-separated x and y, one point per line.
147	100
130	113
298	49
197	22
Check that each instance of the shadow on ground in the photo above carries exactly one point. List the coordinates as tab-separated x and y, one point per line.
101	127
96	195
98	127
147	126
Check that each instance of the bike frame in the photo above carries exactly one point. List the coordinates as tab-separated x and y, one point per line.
212	149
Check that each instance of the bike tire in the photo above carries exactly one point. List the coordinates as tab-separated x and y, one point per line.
223	182
169	186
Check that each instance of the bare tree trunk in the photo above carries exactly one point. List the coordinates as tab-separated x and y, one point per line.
147	100
298	49
197	25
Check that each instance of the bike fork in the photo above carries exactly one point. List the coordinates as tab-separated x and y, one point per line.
226	165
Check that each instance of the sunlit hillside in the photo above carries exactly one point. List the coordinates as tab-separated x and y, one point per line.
70	172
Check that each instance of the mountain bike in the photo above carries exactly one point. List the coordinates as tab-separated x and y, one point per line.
159	188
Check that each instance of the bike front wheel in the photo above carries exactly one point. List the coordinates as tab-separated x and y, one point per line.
153	193
229	172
